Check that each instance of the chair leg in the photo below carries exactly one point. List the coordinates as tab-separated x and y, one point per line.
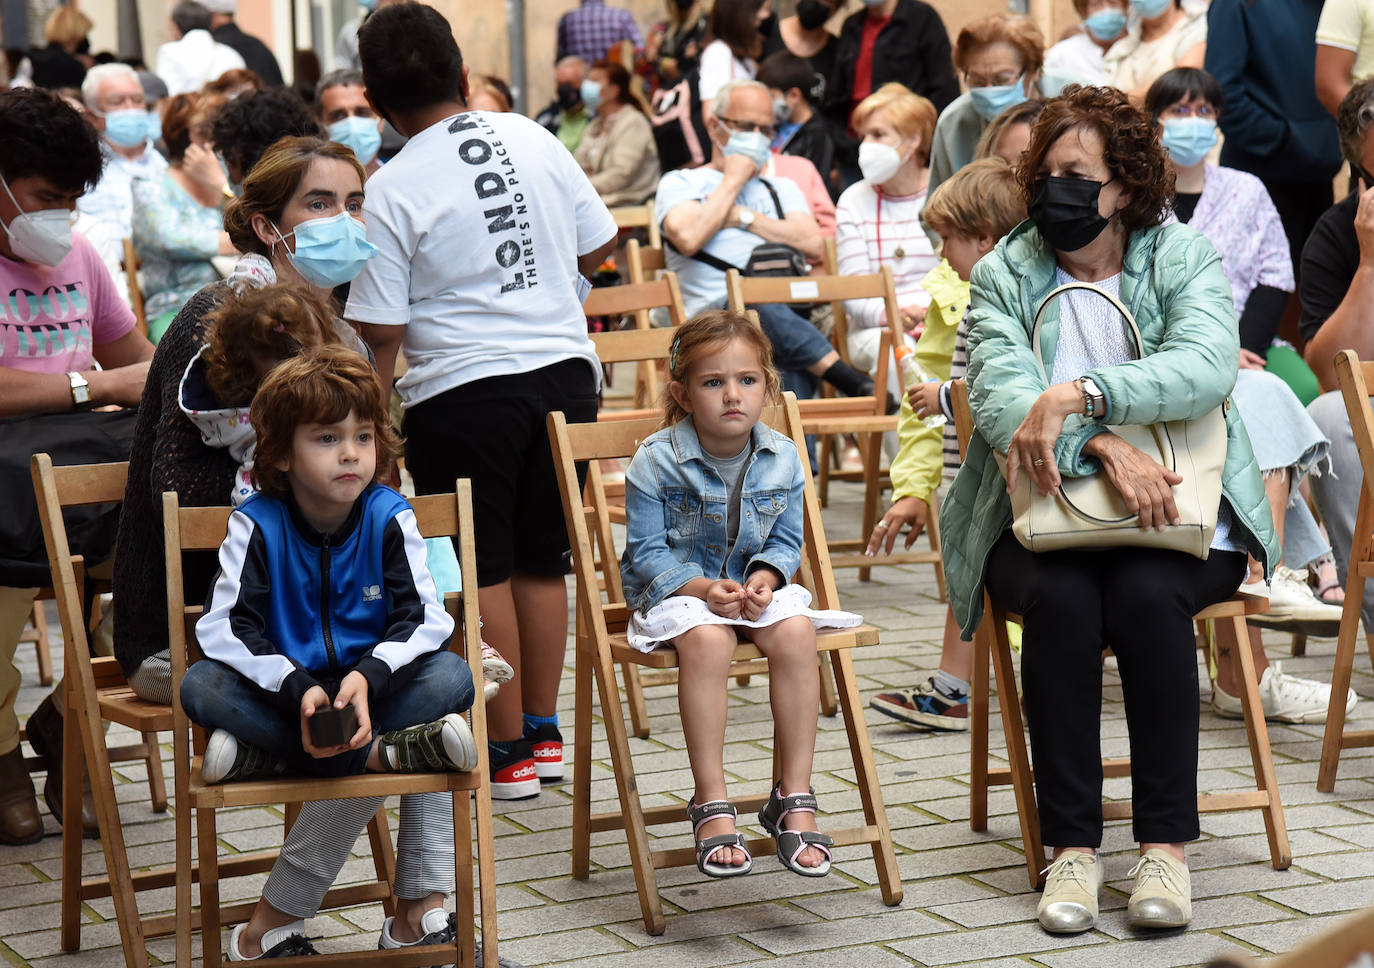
873	486
41	645
978	728
632	811
866	776
157	784
1344	663
829	706
486	872
823	461
72	828
462	879
634	698
383	857
933	536
208	856
584	655
1017	755
1299	643
1232	633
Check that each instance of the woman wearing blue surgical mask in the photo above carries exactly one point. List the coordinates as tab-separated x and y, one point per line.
1166	36
618	151
178	223
1233	210
1078	58
1000	59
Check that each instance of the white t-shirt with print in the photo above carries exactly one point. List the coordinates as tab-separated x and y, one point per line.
479	222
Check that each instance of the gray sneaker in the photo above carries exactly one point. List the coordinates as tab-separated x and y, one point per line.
444	745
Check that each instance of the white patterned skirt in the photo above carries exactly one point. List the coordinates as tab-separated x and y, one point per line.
681	613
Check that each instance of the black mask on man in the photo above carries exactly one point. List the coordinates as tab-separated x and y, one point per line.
812	14
1065	211
569	96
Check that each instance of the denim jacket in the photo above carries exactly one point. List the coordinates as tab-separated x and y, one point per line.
675	511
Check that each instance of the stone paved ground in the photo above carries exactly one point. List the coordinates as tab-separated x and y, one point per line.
967	900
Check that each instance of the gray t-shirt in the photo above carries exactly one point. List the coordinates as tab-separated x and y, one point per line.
731	471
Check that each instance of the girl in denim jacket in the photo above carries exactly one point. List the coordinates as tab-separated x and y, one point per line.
714	530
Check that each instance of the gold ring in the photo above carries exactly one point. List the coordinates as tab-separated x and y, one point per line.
1039	462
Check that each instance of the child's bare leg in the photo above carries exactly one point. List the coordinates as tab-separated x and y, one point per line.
505	717
703	656
794	692
956	655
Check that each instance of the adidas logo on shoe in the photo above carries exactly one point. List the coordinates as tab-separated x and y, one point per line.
547	744
514	775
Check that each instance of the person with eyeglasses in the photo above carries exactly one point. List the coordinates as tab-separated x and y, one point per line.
1000	57
715	216
117	109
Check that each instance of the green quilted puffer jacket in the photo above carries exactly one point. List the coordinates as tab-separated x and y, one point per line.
1174	287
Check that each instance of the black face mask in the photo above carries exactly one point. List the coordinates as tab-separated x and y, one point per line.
1358	174
1065	211
812	14
569	96
683	5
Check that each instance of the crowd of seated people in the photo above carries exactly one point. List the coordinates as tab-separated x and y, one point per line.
1133	154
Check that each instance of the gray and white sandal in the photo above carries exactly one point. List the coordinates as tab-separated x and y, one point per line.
706	849
792	842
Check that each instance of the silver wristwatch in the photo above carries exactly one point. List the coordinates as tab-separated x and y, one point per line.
746	219
1094	400
81	391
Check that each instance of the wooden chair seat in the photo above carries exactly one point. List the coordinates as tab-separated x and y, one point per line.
601	647
992	647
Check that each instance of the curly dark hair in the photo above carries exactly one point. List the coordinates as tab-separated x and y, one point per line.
251	123
410	59
41	134
1132	152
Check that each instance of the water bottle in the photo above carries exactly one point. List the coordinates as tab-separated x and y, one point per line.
913	374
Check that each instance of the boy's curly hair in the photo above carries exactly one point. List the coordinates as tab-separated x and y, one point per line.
320	386
250	332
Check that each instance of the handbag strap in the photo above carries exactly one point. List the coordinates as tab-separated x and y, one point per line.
1131	327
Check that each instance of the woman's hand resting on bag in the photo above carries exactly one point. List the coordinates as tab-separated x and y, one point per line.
1144	484
1032	446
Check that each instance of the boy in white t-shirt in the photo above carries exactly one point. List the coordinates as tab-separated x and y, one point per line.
486	229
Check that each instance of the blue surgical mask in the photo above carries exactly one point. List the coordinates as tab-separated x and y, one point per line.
590	93
368	5
1150	9
992	101
753	145
154	127
329	251
361	135
1106	24
1189	139
127	128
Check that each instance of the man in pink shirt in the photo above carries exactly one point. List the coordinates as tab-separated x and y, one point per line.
67	343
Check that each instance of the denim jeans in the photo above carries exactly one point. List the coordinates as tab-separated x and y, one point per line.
797	345
216	696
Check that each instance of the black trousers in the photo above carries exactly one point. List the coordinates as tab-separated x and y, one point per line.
1141	602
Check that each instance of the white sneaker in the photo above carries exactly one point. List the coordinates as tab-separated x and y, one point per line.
1284	698
1293	604
1069	904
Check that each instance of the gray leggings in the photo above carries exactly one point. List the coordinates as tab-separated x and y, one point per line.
324	834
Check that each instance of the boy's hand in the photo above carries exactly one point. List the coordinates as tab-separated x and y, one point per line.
758	594
725	598
924	398
315	698
353	692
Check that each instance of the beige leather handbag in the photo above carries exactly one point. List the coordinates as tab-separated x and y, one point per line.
1087	512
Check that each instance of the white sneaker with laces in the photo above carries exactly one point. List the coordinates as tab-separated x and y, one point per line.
1069	903
1284	698
1292	603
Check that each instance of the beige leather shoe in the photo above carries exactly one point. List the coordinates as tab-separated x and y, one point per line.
1162	896
1069	904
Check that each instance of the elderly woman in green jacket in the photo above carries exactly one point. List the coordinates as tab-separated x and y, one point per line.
1098	187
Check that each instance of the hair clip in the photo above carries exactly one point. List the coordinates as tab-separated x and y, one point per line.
279	328
672	353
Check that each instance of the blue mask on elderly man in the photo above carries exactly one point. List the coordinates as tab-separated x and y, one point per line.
329	251
992	101
751	144
359	135
1188	139
128	128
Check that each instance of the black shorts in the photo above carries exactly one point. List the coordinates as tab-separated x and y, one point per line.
494	432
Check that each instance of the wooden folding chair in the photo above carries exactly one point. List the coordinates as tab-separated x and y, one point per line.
1354	378
639	217
439	515
601	645
37	633
645	262
132	266
94	690
1340	946
637	299
991	645
865	417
